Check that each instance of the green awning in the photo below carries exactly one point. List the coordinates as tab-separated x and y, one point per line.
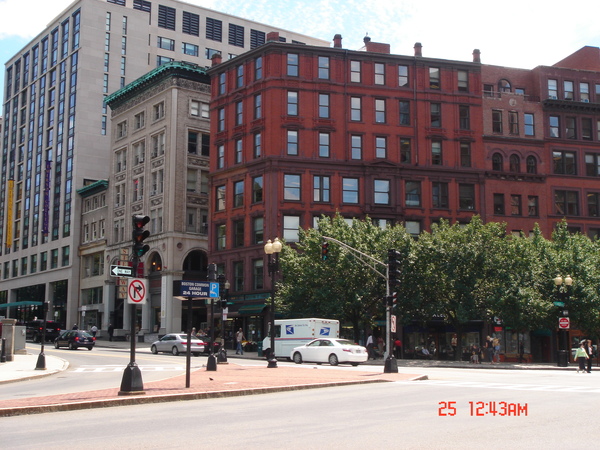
251	309
18	304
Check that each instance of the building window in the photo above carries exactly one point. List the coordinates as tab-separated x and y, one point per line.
324	145
292	64
323	67
497	162
466	197
121	129
257	106
220	198
158	111
379	110
214	29
291	187
258	68
464	121
139	120
238	233
199	109
324	106
413	193
586	128
65	256
138	189
139	152
463	81
257	38
504	86
554	126
236	35
238	194
515	205
380	147
439	195
239	113
465	154
257	150
379	73
350	190
321	188
166	17
292	103
568	88
53	261
190	24
564	163
515	163
356	146
120	160
436	115
593	203
402	76
434	78
292	142
158	144
291	225
257	189
221	237
584	92
552	89
222	83
496	121
220	156
566	203
529	123
532	206
405	151
221	119
355	109
166	43
531	165
355	71
513	122
592	165
436	153
258	230
239	76
499	204
381	192
404	112
258	274
571	128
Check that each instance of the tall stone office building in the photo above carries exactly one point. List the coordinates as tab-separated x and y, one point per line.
56	132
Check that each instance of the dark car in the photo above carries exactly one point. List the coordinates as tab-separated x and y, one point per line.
75	339
35	329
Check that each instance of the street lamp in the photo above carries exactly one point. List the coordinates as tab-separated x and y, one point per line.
272	250
41	361
564	296
224	294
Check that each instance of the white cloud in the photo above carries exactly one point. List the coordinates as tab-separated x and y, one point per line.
27	18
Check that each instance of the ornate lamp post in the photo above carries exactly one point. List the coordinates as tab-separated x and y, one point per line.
41	361
272	250
564	294
224	293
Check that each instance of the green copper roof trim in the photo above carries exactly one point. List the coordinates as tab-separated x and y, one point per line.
96	186
167	69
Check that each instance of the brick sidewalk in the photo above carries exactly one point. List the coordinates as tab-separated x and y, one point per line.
227	381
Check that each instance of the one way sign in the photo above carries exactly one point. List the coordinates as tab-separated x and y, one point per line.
137	289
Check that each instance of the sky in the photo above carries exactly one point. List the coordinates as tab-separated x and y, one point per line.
512	33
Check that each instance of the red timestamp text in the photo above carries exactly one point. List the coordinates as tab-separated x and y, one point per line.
488	408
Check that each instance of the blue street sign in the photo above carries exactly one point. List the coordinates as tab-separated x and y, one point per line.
201	289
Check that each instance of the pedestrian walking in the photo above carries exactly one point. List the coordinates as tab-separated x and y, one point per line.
589	349
111	331
581	356
94	330
370	346
239	337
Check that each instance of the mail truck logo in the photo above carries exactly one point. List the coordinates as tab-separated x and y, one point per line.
289	329
325	331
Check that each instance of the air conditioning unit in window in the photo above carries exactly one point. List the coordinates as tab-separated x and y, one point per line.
552	97
586	100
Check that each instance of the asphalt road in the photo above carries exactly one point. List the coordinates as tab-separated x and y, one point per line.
533	409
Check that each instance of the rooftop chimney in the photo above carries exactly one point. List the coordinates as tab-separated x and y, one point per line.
337	41
273	36
476	56
216	59
375	47
418	49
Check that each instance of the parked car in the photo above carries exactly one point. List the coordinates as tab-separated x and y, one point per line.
329	350
35	329
176	343
75	339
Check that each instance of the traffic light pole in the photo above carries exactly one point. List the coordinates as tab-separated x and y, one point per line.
390	365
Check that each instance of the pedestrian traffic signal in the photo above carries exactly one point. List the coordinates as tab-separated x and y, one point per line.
394	272
139	234
212	272
324	251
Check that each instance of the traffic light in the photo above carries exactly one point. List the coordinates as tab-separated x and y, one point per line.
212	272
139	234
394	272
324	251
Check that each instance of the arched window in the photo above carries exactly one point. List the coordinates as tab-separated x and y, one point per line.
155	263
515	163
531	164
497	162
504	86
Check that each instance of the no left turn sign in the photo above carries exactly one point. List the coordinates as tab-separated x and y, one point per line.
136	291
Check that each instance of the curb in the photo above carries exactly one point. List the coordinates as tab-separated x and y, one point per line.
40	374
142	400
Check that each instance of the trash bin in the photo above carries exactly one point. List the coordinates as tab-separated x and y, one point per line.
259	347
563	358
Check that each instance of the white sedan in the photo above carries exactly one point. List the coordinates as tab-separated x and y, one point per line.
176	343
332	351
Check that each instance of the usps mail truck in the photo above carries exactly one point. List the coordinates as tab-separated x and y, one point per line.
291	333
